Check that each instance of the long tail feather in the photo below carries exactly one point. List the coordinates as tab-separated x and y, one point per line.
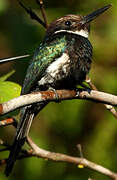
27	116
15	150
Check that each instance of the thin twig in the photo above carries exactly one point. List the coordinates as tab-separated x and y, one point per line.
40	96
32	14
40	2
4	60
4	149
108	107
80	150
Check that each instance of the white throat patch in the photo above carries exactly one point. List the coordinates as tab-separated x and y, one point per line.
81	32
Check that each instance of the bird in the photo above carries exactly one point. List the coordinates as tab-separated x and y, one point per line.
61	61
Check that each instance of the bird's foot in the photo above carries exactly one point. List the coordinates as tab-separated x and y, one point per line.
56	94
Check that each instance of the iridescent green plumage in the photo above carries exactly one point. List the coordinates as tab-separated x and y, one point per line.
44	55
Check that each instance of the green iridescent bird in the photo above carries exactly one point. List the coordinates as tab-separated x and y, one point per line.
62	61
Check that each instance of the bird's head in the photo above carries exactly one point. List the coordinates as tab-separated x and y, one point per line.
76	24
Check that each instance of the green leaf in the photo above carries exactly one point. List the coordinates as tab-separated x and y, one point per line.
6	76
9	90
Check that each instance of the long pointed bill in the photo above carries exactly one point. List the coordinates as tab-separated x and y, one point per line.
95	14
13	58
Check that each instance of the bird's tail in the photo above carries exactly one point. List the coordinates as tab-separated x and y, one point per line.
15	150
27	115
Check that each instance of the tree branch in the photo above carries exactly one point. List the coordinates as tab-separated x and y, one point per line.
7	122
59	157
107	106
36	151
32	14
40	96
40	2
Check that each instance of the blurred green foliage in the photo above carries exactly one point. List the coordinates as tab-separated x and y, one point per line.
60	126
8	89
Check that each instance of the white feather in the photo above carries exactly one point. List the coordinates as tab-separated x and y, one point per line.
82	32
60	62
53	69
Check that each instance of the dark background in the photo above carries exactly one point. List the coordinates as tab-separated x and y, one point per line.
61	126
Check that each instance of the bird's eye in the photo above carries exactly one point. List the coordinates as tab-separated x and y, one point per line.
68	23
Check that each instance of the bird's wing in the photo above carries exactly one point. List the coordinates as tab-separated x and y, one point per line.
44	55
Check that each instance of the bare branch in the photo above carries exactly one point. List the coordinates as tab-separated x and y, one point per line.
80	150
40	2
59	157
38	152
108	107
7	122
32	14
35	97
